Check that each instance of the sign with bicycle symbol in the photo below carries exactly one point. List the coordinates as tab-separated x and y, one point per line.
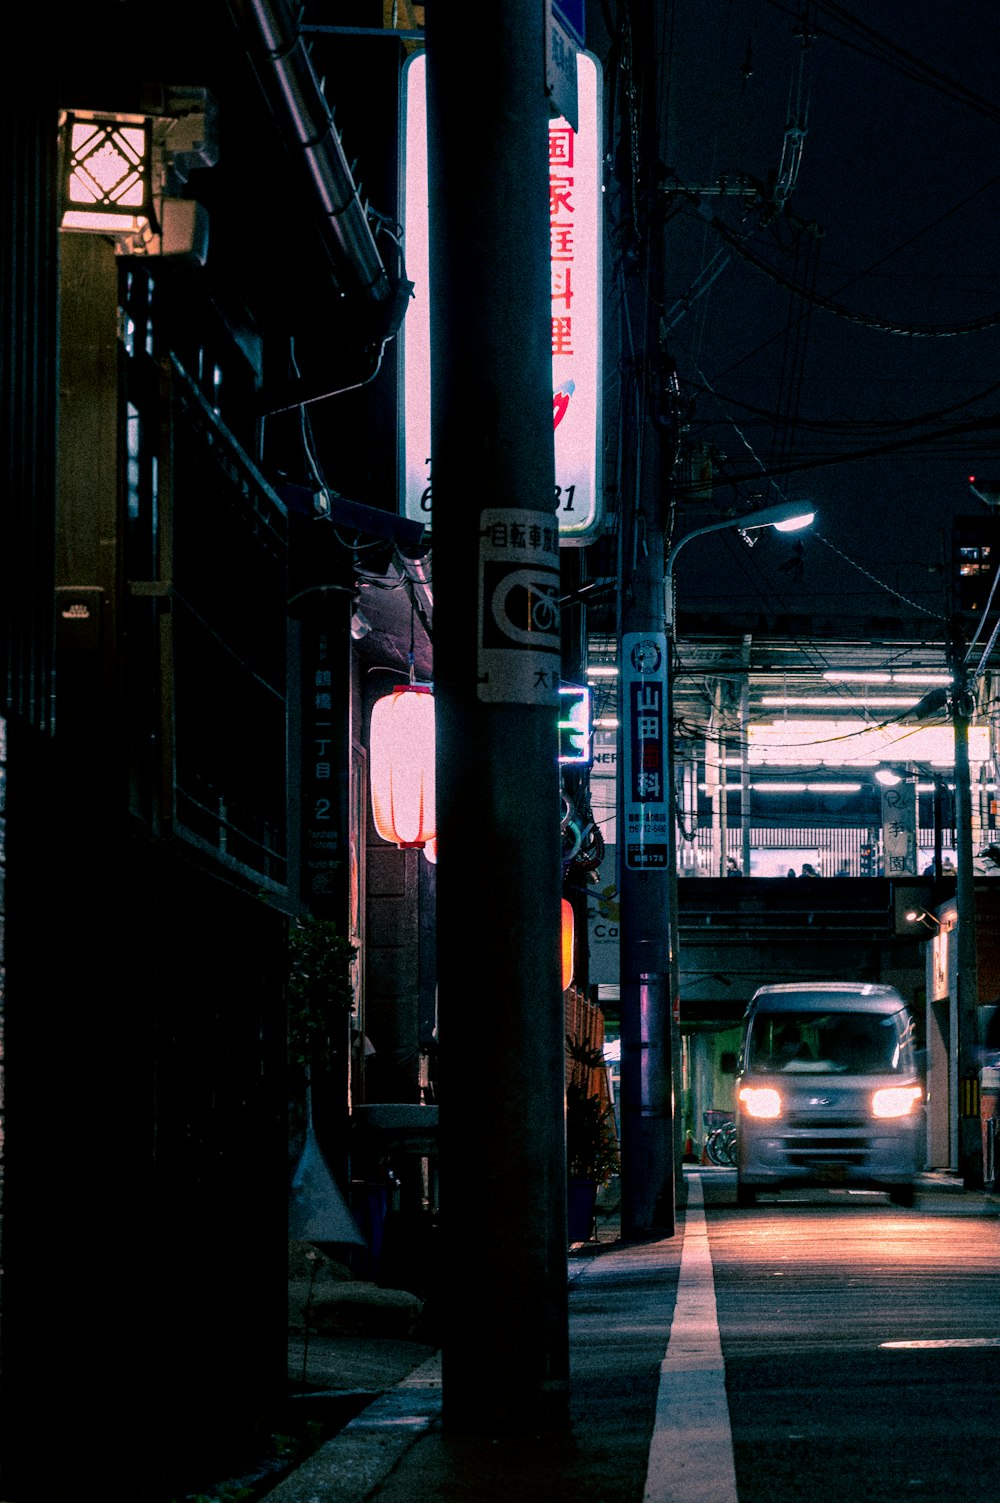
519	645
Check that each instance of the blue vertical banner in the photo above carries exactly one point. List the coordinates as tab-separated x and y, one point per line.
645	763
570	14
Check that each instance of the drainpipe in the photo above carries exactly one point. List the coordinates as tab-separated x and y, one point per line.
970	1142
312	123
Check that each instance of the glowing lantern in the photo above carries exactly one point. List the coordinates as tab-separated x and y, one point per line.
402	766
567	942
106	174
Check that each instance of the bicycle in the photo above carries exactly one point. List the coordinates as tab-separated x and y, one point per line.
720	1140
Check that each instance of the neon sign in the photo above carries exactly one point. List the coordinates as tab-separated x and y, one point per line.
575	230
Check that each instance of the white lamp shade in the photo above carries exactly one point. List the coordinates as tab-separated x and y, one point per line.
402	766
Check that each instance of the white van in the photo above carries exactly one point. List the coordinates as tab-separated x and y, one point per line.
827	1090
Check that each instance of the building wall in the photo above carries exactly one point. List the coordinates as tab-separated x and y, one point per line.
145	1157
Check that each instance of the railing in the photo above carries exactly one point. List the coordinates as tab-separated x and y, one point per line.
844	903
845	851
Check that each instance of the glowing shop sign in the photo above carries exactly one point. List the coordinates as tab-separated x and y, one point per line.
575	243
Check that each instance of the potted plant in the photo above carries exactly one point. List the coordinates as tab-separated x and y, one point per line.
591	1155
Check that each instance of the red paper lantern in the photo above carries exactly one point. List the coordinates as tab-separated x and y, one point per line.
402	766
567	942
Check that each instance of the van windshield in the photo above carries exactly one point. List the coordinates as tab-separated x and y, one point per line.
838	1043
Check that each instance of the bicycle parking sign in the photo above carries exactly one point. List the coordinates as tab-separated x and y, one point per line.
519	644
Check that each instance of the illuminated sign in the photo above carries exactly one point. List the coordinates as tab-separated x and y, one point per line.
575	228
646	804
575	739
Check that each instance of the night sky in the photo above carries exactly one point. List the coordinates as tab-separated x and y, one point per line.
820	316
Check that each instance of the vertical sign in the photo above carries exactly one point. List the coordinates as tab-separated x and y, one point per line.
415	334
575	239
575	250
899	828
519	643
321	832
646	797
576	737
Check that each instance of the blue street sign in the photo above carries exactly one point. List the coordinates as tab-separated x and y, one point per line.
569	13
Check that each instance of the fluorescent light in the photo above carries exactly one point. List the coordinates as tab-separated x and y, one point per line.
606	722
833	787
602	670
836	701
878	676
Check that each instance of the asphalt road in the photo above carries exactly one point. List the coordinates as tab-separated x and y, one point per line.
745	1360
861	1345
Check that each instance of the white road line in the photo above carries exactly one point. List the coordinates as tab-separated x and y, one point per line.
691	1452
924	1346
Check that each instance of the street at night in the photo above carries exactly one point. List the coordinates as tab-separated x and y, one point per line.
861	1342
500	752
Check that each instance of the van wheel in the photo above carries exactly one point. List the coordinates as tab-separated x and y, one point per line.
746	1195
901	1195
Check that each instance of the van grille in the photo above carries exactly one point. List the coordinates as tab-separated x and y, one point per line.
804	1119
825	1145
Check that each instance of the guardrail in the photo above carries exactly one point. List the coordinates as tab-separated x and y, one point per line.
845	903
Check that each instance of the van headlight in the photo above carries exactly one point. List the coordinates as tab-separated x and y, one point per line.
760	1101
895	1101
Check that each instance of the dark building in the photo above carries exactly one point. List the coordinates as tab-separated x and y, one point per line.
165	498
975	552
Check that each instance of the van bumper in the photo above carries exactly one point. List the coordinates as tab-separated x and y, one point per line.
788	1157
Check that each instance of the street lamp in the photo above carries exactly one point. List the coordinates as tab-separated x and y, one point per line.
646	822
786	516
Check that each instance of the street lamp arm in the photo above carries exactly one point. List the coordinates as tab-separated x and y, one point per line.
786	515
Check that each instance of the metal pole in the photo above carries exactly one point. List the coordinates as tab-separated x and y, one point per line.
644	815
970	1140
644	804
502	1153
938	824
645	810
744	768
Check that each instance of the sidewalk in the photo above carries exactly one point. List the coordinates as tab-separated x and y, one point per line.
621	1303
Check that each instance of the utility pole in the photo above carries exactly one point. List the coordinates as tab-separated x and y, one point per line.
502	1152
645	809
970	1140
644	800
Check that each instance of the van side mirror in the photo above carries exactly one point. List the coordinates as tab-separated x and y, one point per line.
727	1062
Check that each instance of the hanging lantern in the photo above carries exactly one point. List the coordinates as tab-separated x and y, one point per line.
106	184
567	942
402	766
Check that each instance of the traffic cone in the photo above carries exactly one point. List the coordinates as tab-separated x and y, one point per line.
689	1148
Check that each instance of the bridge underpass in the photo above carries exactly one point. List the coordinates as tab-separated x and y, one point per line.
740	933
